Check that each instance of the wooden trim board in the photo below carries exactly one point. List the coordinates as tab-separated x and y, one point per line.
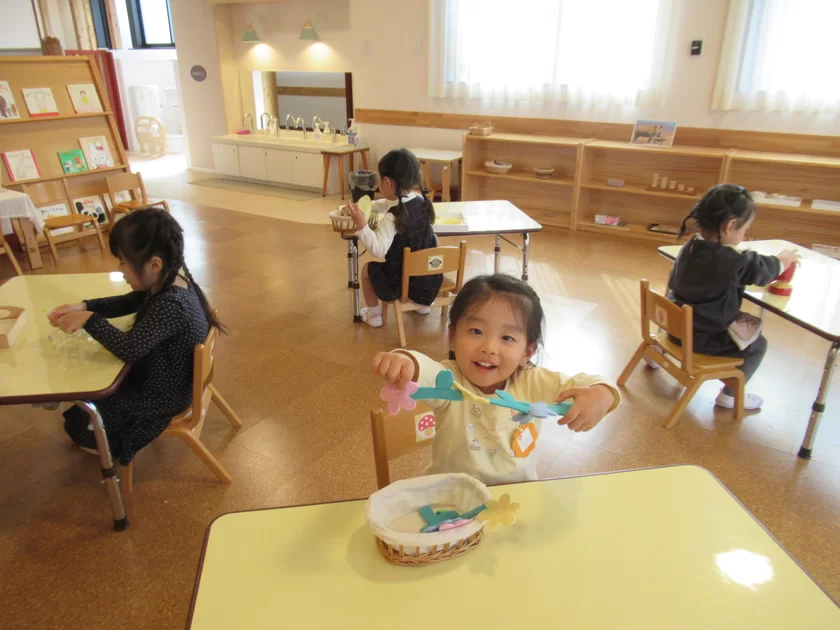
288	90
686	136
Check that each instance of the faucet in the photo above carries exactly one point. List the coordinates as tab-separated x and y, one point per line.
272	120
334	134
250	120
302	123
263	122
315	120
288	118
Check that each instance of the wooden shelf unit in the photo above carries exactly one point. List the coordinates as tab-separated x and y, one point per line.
807	176
46	136
579	189
549	201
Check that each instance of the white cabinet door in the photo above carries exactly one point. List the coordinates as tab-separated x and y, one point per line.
279	166
252	162
309	170
226	159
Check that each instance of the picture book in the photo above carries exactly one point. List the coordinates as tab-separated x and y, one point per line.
40	102
97	152
21	165
73	161
84	98
8	107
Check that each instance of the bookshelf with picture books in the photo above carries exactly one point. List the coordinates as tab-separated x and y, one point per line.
56	123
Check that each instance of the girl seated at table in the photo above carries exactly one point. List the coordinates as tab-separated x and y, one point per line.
407	222
710	275
172	316
495	328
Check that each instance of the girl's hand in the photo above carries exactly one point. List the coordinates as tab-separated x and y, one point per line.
788	257
72	322
60	311
591	405
394	367
358	216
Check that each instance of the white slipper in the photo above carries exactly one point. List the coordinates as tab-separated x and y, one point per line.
751	401
372	320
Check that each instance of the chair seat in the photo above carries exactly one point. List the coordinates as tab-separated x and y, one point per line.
446	285
137	204
55	223
700	362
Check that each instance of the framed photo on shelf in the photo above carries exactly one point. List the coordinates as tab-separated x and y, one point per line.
84	98
92	207
73	161
40	102
56	210
21	165
655	133
97	152
8	108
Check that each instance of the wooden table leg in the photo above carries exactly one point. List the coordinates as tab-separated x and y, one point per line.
326	174
341	174
33	252
364	160
446	182
427	179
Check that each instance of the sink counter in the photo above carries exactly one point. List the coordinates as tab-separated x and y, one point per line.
287	140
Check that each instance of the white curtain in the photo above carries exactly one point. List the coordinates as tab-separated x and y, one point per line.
780	55
549	51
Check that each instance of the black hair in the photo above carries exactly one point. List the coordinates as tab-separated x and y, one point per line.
518	293
403	167
720	204
142	234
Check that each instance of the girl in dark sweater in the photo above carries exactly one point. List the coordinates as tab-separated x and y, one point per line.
407	222
710	275
172	316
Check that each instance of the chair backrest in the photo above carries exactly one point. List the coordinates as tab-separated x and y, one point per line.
397	435
677	321
429	262
49	193
122	182
204	361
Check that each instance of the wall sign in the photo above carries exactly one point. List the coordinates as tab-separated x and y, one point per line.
198	73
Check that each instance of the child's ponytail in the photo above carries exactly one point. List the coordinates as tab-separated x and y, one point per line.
720	204
403	167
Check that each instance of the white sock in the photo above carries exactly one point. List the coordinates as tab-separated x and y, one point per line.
374	310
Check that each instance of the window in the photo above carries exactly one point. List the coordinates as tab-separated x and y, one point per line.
151	23
590	51
779	55
100	23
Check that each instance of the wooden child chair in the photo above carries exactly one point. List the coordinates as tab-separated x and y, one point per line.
56	192
427	262
4	246
132	183
397	435
187	425
680	361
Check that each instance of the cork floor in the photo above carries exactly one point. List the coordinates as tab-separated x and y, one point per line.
297	371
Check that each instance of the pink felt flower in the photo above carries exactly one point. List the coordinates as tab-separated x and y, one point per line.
399	398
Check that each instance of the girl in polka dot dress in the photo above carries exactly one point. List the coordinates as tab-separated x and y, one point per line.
172	316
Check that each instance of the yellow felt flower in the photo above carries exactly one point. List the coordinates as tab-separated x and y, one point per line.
501	512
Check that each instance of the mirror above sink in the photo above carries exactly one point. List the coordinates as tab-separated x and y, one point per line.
300	101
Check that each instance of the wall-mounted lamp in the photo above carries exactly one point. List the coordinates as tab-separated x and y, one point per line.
250	35
308	32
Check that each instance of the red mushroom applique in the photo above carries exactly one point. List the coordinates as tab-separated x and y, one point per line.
426	426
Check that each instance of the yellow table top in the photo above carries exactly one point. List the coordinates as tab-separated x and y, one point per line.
33	367
655	548
815	301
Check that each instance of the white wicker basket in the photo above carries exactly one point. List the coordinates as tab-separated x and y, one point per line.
483	129
498	168
393	516
343	222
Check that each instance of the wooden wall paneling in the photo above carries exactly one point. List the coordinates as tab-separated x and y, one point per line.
686	136
286	90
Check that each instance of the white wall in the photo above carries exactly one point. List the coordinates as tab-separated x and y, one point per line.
379	47
18	28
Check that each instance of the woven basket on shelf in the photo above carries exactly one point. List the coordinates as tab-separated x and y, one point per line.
344	222
498	168
405	497
483	129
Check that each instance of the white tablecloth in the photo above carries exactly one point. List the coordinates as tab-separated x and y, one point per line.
17	205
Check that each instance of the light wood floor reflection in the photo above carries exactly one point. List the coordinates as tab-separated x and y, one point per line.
296	369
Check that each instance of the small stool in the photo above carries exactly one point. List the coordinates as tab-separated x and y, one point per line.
329	153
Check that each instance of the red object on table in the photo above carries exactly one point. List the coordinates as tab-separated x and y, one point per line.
782	284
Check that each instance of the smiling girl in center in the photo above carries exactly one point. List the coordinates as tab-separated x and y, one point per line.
495	329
